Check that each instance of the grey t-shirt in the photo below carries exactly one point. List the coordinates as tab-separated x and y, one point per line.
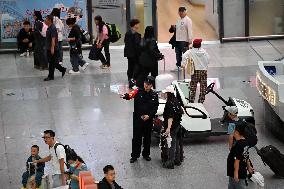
50	33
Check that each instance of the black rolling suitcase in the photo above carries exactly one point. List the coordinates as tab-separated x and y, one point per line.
272	157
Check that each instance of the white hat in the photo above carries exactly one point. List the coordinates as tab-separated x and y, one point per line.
232	109
169	89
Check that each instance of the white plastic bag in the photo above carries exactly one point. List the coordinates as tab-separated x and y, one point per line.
258	179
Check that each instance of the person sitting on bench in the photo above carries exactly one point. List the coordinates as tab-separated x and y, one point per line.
36	170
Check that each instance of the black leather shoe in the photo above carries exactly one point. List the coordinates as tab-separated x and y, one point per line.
177	163
48	79
132	160
63	73
147	158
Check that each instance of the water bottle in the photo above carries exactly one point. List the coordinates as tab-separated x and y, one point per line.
28	53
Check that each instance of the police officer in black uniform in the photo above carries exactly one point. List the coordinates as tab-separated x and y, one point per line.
146	104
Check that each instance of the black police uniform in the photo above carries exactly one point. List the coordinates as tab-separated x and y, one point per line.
145	103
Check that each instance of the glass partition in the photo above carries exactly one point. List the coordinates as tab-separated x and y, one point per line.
266	17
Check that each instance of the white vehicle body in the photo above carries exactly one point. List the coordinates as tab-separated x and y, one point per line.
196	119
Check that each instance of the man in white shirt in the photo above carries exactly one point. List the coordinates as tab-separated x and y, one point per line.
200	59
183	34
57	157
60	28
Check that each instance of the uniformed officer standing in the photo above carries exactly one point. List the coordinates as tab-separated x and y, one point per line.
145	107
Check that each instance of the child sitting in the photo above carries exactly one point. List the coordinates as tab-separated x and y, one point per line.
36	170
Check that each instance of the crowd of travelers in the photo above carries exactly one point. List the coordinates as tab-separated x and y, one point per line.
45	40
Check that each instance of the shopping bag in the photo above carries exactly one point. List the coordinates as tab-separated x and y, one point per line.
190	67
94	53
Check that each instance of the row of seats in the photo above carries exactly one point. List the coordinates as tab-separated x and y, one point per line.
87	181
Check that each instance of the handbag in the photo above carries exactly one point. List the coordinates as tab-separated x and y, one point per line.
190	68
93	54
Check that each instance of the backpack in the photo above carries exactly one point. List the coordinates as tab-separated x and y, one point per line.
250	134
85	36
43	29
113	32
68	151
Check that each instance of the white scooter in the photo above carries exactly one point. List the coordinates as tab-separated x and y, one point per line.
196	120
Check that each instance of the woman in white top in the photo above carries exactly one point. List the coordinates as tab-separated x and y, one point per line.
60	27
200	59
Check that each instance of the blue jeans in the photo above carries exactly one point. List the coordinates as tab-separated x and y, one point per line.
26	177
76	61
236	185
180	48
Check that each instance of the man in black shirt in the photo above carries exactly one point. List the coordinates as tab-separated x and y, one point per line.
131	50
146	104
238	160
75	42
25	38
108	182
52	49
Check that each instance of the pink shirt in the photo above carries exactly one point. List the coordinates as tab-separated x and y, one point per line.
103	35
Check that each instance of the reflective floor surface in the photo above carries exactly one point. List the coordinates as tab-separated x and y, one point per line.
86	112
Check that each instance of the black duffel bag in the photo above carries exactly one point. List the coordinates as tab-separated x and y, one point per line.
94	53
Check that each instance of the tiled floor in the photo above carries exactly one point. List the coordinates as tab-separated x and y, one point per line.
86	113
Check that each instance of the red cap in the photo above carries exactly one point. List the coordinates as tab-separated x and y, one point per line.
197	41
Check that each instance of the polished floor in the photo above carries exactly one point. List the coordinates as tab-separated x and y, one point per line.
167	11
86	113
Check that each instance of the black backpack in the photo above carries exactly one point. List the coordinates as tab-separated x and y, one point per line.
85	36
250	134
68	151
113	32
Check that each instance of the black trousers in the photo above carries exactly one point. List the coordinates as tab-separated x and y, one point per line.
132	67
53	61
141	131
104	59
142	74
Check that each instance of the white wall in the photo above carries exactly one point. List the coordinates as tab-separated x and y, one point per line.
234	18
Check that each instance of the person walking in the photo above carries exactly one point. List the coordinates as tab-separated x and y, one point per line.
75	42
145	108
200	61
102	42
150	54
183	35
57	157
52	49
238	162
172	119
40	60
131	50
60	27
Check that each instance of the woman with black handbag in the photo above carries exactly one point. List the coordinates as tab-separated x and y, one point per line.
149	57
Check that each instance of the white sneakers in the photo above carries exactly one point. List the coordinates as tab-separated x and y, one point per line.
84	67
60	63
73	72
23	54
27	54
